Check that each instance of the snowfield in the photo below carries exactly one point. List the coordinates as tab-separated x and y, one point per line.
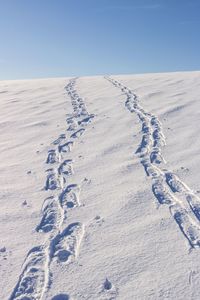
100	193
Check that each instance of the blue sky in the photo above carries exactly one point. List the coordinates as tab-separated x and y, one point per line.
53	38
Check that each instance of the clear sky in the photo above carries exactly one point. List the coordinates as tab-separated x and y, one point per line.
52	38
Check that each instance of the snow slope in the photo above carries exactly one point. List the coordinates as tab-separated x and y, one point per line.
100	196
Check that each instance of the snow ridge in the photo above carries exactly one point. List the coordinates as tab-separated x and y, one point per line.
62	241
167	187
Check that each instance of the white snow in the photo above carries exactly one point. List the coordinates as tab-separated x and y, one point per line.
80	218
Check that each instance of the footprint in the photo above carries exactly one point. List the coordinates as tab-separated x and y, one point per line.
186	224
50	215
144	145
160	192
66	168
69	198
53	180
31	282
86	120
158	138
78	133
174	183
61	137
66	147
156	156
52	157
177	186
66	245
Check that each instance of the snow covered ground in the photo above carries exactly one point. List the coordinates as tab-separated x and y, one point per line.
100	194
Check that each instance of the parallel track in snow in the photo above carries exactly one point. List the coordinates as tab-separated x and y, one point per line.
167	187
62	240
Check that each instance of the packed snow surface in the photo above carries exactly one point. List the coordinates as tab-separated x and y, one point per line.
100	193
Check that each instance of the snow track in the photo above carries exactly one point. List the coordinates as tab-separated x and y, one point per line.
62	240
169	190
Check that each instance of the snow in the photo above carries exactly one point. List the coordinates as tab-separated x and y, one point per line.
80	218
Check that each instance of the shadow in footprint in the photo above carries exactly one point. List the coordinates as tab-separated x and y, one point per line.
61	297
63	255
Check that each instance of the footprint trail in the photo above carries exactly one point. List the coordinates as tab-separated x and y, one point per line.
61	240
168	189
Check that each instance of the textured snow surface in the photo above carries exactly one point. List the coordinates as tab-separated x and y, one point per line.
100	193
